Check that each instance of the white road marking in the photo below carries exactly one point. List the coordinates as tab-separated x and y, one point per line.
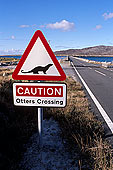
100	73
90	68
100	108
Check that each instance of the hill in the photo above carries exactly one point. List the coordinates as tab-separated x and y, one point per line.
96	50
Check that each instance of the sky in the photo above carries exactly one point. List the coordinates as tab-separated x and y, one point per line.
66	24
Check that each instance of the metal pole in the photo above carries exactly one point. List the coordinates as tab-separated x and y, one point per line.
40	125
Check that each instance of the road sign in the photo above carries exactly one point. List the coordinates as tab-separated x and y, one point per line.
38	62
39	94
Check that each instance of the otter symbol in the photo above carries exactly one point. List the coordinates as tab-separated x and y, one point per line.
37	69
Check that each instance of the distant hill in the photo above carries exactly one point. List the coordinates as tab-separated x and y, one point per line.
96	50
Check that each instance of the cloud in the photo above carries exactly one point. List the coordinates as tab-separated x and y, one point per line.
111	43
63	25
98	27
34	25
62	46
9	38
24	26
42	26
107	16
28	26
11	52
12	37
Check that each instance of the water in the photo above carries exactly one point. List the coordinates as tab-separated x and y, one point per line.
100	59
60	57
18	57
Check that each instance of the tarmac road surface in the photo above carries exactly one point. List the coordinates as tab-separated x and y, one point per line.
98	83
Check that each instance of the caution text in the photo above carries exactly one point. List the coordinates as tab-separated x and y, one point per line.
39	91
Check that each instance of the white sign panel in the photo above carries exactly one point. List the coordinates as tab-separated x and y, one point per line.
39	94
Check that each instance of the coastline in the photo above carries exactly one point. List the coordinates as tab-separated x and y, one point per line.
60	138
103	64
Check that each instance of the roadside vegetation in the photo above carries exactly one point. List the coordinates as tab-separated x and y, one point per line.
83	130
80	128
17	124
6	59
5	74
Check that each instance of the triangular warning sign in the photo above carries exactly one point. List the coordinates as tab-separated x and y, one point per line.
38	62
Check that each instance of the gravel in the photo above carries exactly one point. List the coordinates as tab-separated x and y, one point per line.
53	155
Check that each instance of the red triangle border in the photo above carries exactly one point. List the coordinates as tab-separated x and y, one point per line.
15	75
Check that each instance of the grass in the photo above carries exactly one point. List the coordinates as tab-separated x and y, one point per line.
17	124
6	59
5	75
79	127
102	155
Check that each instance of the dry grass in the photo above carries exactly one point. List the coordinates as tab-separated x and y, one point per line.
5	59
103	155
17	124
81	127
5	75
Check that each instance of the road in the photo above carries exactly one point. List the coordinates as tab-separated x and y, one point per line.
98	83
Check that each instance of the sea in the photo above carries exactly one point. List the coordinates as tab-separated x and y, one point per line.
100	59
18	57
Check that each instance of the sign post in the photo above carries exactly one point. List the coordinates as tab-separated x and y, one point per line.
40	125
40	95
39	63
